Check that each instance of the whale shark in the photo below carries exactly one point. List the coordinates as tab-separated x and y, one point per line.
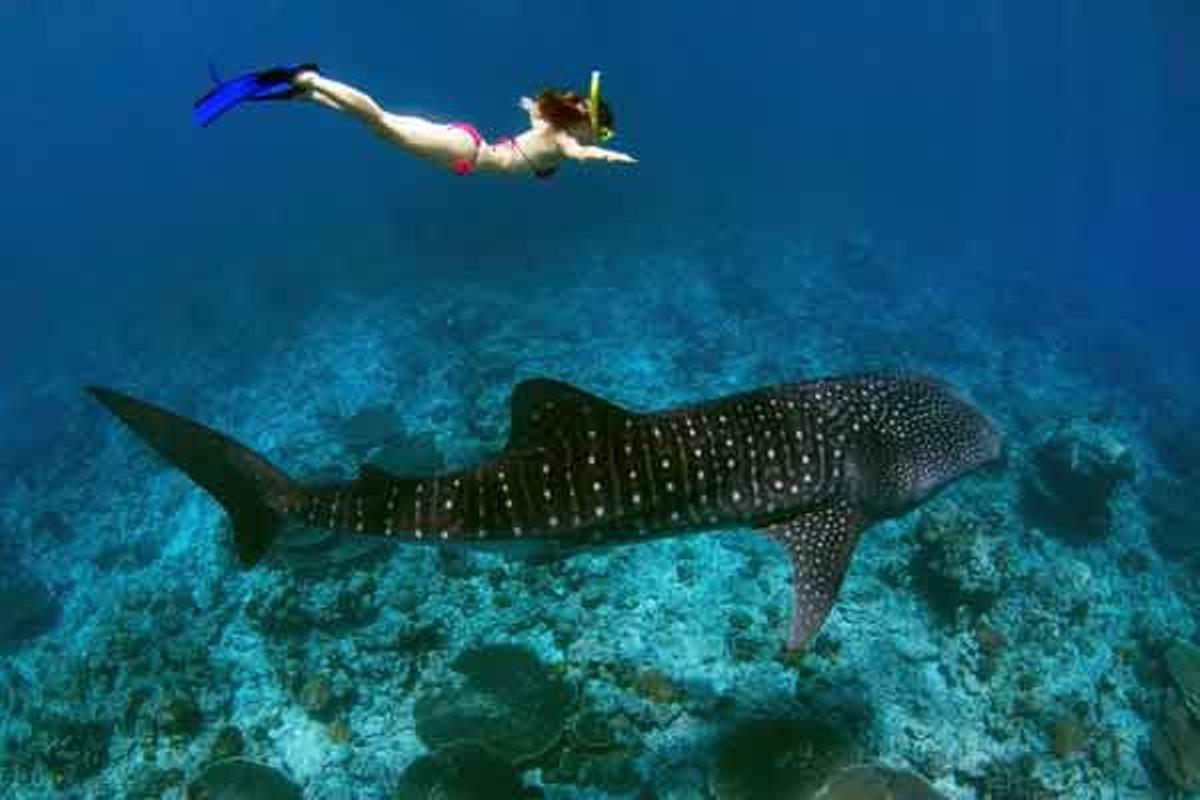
811	464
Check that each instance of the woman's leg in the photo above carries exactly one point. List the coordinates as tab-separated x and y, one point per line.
340	96
422	137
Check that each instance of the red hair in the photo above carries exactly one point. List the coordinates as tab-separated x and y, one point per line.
563	109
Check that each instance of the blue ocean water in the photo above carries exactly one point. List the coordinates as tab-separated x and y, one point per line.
998	194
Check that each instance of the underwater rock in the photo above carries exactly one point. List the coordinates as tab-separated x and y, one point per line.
27	609
321	699
462	772
1176	438
599	752
1069	735
509	702
778	759
242	779
50	525
418	641
317	698
593	731
228	743
655	686
339	732
298	608
959	562
1175	744
366	429
127	556
412	455
1183	663
612	774
153	783
1016	778
70	751
1174	509
179	716
1077	467
876	782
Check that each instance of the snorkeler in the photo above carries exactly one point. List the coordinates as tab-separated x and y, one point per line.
562	124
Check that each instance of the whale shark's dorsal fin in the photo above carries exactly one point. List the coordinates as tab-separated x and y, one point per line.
375	475
820	544
543	409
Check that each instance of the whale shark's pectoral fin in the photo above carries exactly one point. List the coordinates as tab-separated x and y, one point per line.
820	544
543	409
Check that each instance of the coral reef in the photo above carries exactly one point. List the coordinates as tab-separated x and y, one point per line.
509	702
28	609
778	759
961	562
1174	509
1183	664
618	673
1175	742
228	743
241	779
292	608
462	772
1077	467
69	751
366	429
52	526
1176	439
876	782
599	751
1016	778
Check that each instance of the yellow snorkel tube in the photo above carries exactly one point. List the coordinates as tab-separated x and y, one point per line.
601	132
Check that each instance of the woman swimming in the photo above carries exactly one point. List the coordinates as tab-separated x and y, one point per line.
562	124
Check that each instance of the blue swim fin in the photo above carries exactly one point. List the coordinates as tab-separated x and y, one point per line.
268	84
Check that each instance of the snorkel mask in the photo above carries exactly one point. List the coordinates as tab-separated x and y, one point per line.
602	132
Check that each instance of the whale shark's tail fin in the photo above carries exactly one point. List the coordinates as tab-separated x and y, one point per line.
254	492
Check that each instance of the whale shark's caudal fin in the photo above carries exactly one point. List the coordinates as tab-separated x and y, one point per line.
252	491
820	544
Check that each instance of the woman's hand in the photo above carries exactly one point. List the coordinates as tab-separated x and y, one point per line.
571	148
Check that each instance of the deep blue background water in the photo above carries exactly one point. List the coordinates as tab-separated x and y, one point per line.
1054	139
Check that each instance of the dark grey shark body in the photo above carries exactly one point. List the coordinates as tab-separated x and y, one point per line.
812	464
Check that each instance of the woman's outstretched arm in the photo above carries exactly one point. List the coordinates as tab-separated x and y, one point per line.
571	148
